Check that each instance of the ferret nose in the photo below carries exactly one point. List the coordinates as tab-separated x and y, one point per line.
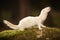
48	8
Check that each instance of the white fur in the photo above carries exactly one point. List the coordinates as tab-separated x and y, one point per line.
30	21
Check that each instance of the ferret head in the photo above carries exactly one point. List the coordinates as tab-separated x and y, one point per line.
46	10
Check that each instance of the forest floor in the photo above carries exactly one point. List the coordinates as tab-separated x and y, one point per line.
47	33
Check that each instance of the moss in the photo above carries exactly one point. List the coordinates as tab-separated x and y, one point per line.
31	34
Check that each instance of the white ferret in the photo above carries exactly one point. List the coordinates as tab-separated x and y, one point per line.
30	21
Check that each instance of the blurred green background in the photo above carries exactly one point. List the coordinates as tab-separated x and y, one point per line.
15	10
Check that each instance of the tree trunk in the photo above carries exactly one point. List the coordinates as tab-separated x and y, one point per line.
24	8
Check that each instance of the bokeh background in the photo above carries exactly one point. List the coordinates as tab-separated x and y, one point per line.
15	10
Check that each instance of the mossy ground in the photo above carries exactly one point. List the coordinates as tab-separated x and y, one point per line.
31	34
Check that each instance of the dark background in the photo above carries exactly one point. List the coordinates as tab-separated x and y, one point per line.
15	10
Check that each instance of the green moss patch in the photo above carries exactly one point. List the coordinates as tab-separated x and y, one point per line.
31	34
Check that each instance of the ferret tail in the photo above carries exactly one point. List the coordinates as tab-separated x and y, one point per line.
10	25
